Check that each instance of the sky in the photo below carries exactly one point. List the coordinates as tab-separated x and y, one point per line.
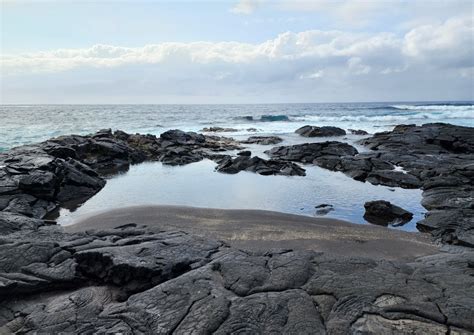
247	51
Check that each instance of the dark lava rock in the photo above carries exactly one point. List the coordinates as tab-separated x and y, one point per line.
327	131
263	140
358	132
36	179
393	178
384	213
260	166
245	153
428	138
128	280
181	137
323	209
308	152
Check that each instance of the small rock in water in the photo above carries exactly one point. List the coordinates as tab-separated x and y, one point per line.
218	130
358	132
264	140
383	213
246	153
324	209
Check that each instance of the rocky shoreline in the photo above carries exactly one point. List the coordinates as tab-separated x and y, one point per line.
132	280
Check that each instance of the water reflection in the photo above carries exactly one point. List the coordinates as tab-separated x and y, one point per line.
198	185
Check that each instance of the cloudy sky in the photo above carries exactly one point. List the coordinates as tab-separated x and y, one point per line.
246	51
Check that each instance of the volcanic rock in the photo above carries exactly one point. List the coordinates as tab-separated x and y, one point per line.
384	213
326	131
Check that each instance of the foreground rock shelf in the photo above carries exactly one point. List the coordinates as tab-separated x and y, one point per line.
132	280
129	280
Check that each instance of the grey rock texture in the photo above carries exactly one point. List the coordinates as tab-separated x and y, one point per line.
131	281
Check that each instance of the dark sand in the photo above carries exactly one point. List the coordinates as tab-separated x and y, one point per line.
263	230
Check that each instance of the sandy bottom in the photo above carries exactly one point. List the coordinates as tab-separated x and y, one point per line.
264	230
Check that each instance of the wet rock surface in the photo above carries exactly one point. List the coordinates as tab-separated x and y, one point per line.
384	213
133	280
326	131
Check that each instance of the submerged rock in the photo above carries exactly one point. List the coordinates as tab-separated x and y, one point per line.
218	130
384	213
324	209
326	131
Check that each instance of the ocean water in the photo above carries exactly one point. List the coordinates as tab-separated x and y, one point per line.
23	124
198	185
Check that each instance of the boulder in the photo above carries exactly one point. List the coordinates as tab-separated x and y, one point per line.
326	131
383	213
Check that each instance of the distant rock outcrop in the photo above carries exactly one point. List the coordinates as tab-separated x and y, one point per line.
326	131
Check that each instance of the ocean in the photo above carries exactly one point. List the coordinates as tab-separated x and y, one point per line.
199	185
24	124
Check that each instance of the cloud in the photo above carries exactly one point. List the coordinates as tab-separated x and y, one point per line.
246	6
429	58
450	44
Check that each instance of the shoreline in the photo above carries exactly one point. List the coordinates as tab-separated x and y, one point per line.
341	277
259	230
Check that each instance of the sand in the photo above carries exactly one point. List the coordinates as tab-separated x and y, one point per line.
258	230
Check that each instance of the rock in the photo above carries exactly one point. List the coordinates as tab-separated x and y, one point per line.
263	140
218	130
181	137
12	222
131	280
358	132
384	213
324	209
258	165
308	152
326	131
393	178
245	153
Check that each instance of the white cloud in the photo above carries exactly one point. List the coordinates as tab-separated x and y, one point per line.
448	44
440	55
